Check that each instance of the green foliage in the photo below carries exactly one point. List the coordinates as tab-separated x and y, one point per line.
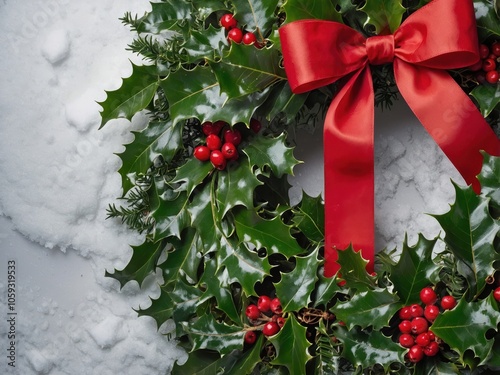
303	9
384	15
488	20
487	97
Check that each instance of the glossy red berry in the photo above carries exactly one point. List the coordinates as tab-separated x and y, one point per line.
281	321
249	38
415	354
270	328
255	125
492	77
431	312
416	310
229	151
218	160
448	302
228	21
419	325
405	326
496	294
232	136
495	48
432	336
423	339
264	304
208	128
218	125
250	337
432	349
484	51
252	312
405	313
275	306
213	142
235	35
202	153
406	340
489	65
428	296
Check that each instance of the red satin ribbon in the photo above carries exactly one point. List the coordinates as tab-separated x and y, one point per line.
439	36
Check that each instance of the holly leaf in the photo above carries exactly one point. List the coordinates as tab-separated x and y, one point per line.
309	217
253	69
182	259
271	234
435	365
161	309
199	362
191	174
256	15
272	152
164	15
304	9
143	263
464	327
186	298
171	215
470	232
159	138
370	308
207	333
384	15
488	97
296	286
291	346
365	349
487	19
208	44
490	179
134	94
353	270
325	289
415	270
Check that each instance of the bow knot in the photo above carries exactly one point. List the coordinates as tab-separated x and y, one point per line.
380	49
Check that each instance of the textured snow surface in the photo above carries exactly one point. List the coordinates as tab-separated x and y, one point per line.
58	174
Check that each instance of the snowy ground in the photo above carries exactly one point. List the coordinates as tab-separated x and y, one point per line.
58	174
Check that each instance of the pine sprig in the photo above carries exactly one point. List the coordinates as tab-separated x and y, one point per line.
136	213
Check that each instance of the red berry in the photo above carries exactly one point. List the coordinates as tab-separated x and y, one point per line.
415	354
250	337
484	51
423	339
419	325
489	65
232	136
255	125
213	142
405	313
406	340
235	35
229	151
280	321
496	294
228	21
249	38
405	326
218	160
495	48
202	153
207	128
493	77
428	296
448	302
275	306
431	312
270	328
432	349
252	312
432	336
416	310
264	304
218	125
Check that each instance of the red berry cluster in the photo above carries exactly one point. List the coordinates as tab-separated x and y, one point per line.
414	326
488	68
266	315
236	34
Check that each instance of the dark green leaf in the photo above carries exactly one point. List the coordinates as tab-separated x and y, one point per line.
183	259
161	309
371	308
291	346
135	93
256	15
306	9
186	298
487	96
435	365
353	270
490	179
192	174
488	23
200	362
464	327
384	15
310	218
171	217
205	44
164	16
325	289
248	361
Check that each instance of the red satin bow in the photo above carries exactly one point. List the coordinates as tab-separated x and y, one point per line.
441	35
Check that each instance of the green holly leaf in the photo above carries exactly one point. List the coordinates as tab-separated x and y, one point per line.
304	9
205	44
325	289
367	348
488	23
493	359
384	15
353	270
191	174
135	93
496	4
161	309
470	232
253	69
199	362
271	234
309	217
370	308
143	263
415	270
186	298
291	346
464	327
490	179
207	333
256	15
488	98
158	138
171	215
205	8
272	152
435	365
248	361
164	15
296	286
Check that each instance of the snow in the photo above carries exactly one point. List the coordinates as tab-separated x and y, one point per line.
59	173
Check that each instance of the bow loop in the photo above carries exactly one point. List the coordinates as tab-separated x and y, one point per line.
380	49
